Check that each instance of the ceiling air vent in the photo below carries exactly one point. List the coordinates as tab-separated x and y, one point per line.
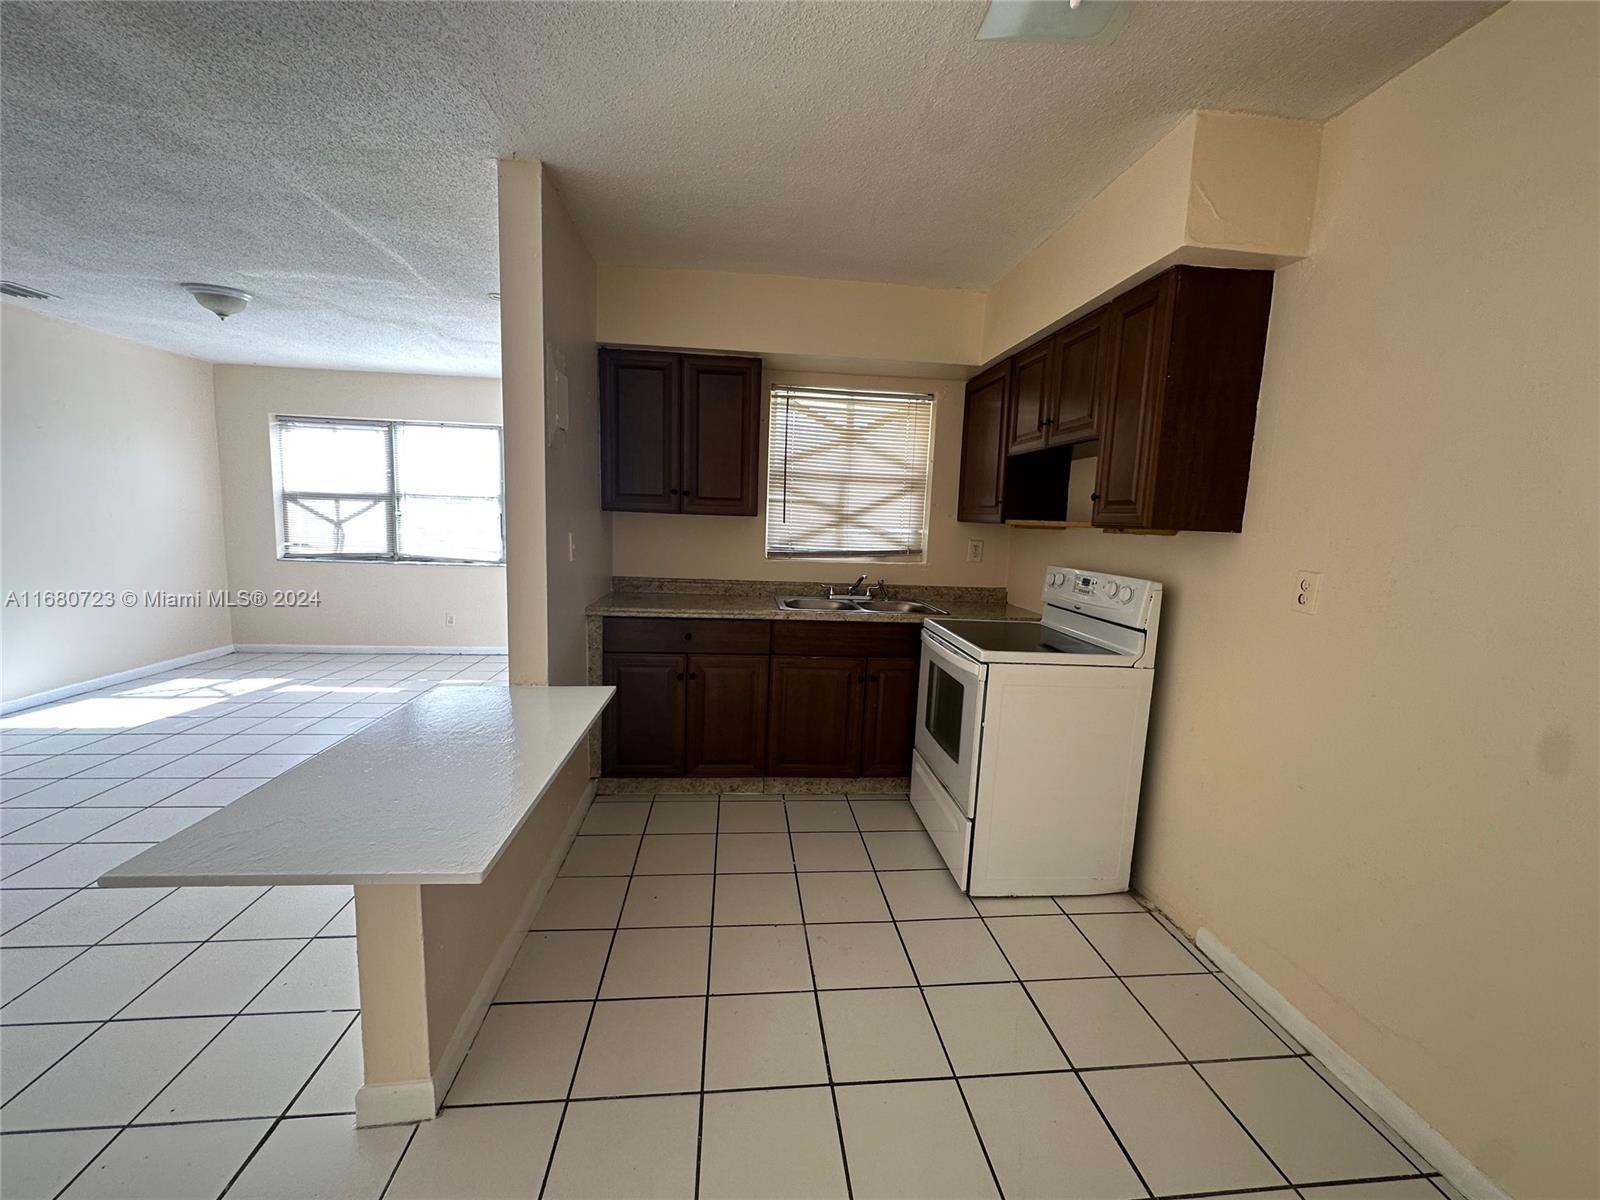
22	291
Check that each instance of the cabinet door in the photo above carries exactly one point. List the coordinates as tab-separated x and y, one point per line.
1136	328
983	447
644	723
727	714
1078	368
891	716
1032	399
814	723
639	431
721	434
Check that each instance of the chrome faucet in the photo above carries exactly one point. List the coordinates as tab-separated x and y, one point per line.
878	591
855	589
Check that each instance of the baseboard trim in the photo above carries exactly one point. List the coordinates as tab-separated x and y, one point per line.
295	648
455	1051
1407	1122
395	1103
89	685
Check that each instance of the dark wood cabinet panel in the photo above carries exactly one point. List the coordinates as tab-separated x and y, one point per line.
852	638
1185	353
1164	380
1135	327
814	721
644	723
686	635
889	723
1032	389
721	435
727	714
679	432
1077	371
640	430
984	437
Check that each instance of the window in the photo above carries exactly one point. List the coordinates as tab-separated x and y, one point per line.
847	474
388	491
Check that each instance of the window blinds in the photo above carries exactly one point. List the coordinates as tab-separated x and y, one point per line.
847	474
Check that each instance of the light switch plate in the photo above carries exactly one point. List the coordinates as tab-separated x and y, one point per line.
974	549
1307	589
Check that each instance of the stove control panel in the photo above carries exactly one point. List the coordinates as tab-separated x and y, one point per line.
1118	598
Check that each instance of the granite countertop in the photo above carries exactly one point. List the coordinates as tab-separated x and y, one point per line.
765	607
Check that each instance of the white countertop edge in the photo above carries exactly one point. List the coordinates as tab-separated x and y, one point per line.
122	876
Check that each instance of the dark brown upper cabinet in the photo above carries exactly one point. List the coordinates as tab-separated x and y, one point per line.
721	435
679	432
1031	398
1164	378
640	430
1078	361
1185	353
984	435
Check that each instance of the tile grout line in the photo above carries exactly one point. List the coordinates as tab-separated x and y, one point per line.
937	1032
705	1008
816	1000
577	1061
1050	1029
1272	1162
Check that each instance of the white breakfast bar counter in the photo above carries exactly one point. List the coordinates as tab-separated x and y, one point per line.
450	817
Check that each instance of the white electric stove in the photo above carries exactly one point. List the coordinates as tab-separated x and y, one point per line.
1030	738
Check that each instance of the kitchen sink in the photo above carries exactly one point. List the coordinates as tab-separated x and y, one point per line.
818	604
898	606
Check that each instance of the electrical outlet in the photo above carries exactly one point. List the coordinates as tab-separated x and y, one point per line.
1307	587
449	618
572	548
974	549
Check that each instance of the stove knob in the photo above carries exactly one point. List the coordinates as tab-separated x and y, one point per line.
1109	587
1126	594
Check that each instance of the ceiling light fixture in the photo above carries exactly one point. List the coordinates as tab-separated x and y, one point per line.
213	297
22	291
1093	21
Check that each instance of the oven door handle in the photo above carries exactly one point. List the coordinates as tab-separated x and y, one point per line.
952	660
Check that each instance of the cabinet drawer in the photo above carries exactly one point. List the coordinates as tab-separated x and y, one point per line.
842	638
686	635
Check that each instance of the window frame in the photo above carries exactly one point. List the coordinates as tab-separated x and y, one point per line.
283	496
911	557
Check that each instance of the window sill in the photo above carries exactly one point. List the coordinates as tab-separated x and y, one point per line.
387	562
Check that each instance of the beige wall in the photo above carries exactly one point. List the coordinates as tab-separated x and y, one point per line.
1225	189
362	604
465	926
521	203
109	482
787	315
674	545
1388	809
577	533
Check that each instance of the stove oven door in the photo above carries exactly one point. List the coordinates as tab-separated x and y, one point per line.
950	698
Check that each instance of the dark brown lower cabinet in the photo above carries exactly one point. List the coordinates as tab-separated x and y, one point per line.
815	719
727	715
644	723
890	717
700	697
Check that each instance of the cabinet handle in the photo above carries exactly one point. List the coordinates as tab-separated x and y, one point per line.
680	674
1094	496
692	675
689	637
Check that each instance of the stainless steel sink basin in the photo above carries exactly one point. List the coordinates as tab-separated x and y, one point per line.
819	604
816	603
899	606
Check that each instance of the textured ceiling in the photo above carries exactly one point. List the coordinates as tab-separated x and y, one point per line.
337	159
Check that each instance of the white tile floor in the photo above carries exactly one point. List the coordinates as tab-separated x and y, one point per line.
734	997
